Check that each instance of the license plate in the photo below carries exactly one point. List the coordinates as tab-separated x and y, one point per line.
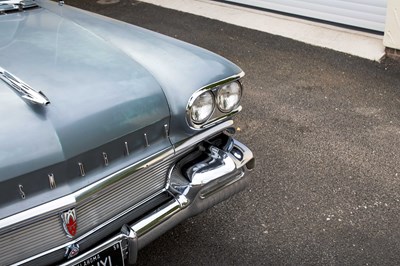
111	256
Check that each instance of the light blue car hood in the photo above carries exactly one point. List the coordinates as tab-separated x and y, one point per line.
104	79
97	92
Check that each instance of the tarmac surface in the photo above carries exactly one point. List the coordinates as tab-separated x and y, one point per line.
325	129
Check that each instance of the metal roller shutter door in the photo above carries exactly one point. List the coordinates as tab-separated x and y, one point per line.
367	14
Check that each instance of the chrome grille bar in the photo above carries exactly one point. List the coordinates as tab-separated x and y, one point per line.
118	199
24	242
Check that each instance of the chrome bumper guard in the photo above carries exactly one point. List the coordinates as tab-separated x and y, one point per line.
216	174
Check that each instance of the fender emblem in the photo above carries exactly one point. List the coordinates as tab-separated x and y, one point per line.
69	222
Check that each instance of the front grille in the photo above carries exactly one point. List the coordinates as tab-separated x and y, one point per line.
46	234
128	192
28	240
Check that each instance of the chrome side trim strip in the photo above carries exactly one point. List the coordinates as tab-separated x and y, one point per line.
27	92
41	211
183	145
218	120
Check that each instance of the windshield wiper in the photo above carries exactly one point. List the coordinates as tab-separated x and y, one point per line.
12	5
23	88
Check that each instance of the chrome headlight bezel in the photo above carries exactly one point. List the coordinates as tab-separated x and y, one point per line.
217	115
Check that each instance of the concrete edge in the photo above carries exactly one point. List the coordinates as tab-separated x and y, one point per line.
361	44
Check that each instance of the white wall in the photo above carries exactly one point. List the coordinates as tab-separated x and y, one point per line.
367	14
392	28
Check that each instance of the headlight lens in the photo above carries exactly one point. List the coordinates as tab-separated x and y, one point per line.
228	96
202	108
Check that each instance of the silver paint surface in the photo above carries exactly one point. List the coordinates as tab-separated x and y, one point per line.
98	93
179	67
107	80
104	78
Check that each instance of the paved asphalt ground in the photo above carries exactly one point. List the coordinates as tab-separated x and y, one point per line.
325	128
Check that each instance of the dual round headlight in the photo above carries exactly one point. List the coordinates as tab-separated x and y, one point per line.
202	107
225	97
228	96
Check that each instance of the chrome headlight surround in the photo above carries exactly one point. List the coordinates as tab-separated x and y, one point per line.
219	113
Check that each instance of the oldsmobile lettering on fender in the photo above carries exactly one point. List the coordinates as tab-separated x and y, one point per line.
111	135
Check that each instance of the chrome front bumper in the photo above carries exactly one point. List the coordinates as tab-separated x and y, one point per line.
197	183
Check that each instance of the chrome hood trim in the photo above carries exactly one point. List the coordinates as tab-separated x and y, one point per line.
27	92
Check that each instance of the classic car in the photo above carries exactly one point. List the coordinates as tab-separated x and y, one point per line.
110	135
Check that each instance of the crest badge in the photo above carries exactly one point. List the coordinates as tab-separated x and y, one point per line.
69	222
71	251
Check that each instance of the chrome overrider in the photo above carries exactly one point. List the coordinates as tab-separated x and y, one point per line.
212	179
201	178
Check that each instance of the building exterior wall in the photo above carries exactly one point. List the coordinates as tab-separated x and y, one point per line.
392	29
367	14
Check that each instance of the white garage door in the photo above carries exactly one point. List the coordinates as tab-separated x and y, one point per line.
368	14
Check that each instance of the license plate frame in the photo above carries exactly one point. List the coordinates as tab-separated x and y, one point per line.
112	255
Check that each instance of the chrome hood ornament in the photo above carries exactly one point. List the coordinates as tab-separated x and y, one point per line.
27	92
